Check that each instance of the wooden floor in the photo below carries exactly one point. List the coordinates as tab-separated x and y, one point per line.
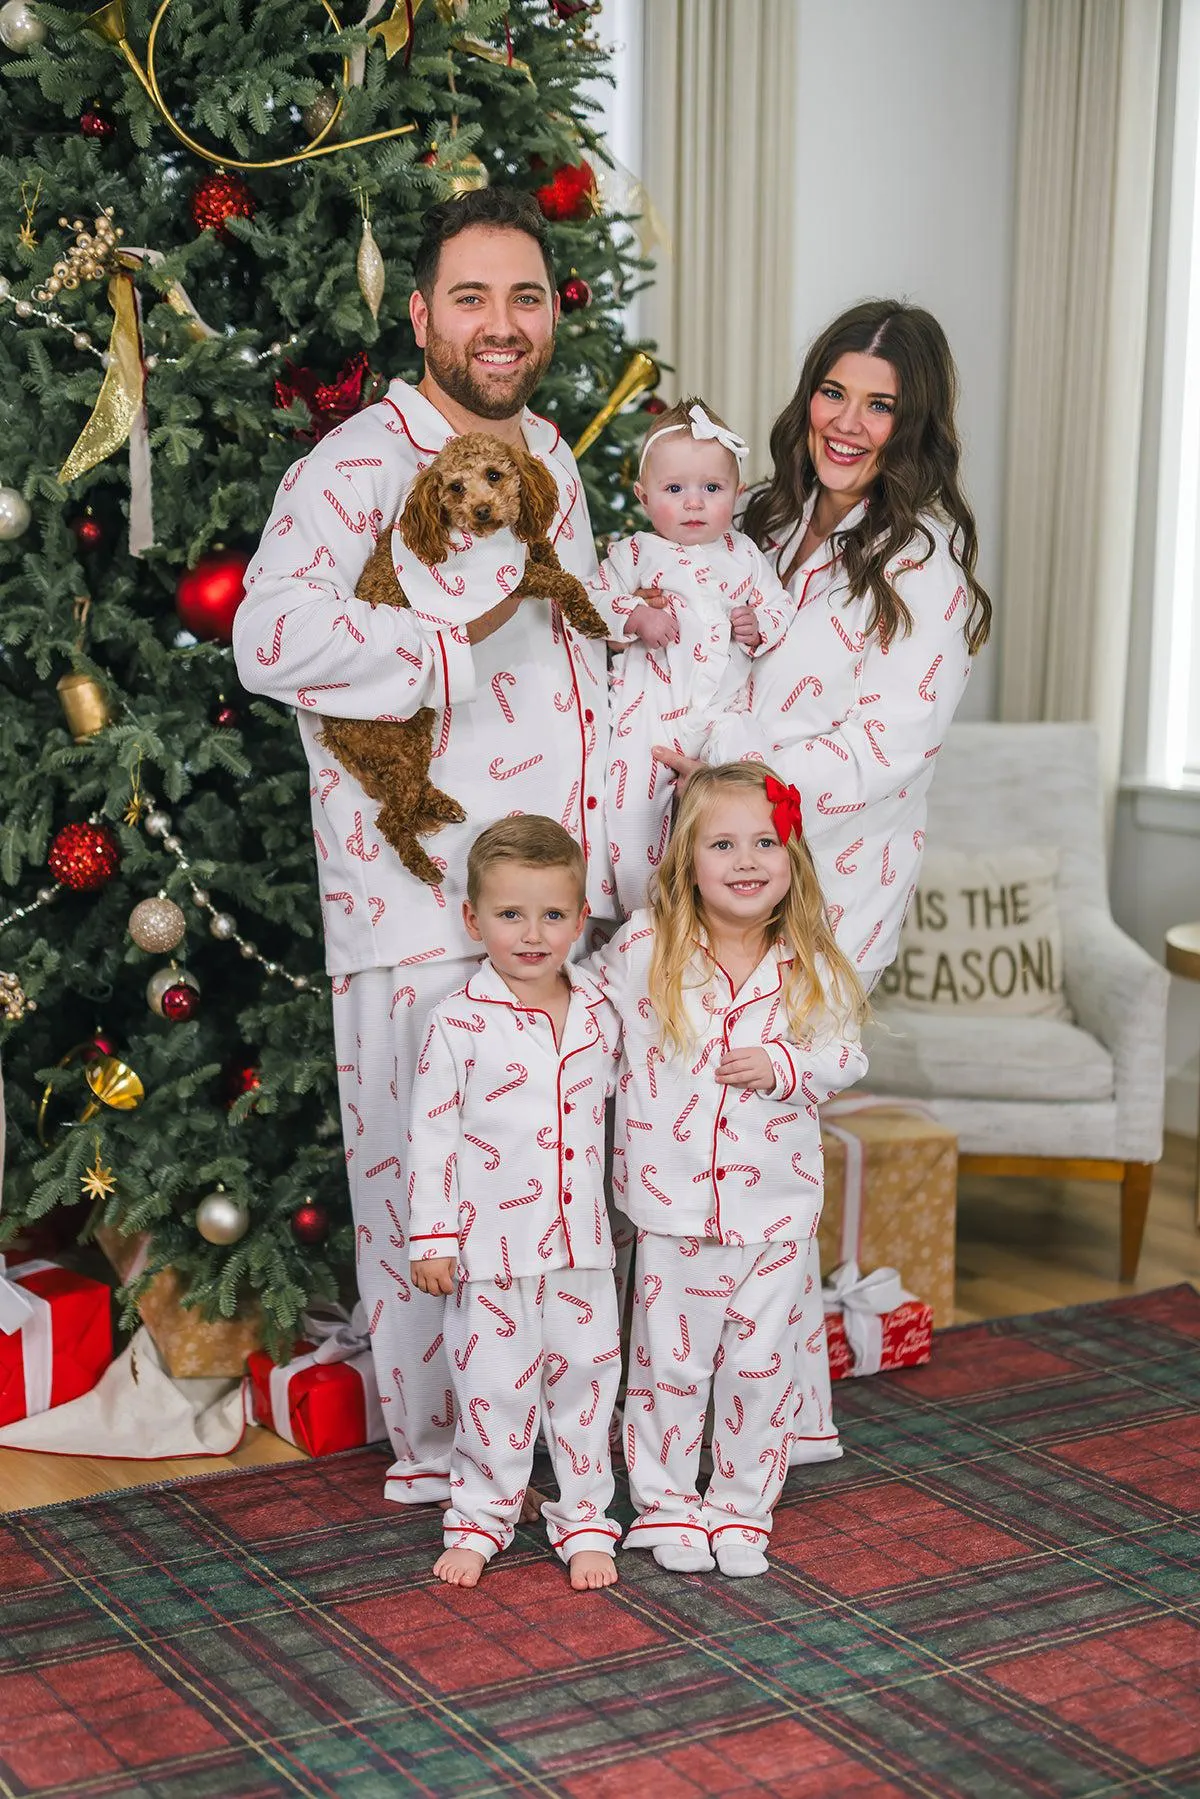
1023	1246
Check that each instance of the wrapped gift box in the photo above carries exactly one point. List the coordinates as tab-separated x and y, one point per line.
190	1345
907	1340
902	1191
60	1342
325	1399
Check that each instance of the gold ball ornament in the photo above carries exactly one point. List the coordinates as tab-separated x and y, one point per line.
220	1219
317	115
158	926
20	27
162	981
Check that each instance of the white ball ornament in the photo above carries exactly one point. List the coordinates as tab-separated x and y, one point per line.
157	925
14	514
220	1219
20	27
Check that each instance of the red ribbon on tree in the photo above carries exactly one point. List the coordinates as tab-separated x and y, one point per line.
329	403
786	814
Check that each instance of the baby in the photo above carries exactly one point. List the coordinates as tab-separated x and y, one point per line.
683	664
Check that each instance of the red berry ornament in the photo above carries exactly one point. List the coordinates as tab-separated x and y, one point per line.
574	294
209	595
84	857
225	716
94	124
238	1078
179	1003
310	1224
570	194
89	532
654	406
219	198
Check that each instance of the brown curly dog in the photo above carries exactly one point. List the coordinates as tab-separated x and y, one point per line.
477	485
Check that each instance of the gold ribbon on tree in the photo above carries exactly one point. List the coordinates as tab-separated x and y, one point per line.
395	33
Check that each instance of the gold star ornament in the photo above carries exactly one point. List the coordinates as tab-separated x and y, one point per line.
98	1182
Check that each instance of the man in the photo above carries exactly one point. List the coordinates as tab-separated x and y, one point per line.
520	726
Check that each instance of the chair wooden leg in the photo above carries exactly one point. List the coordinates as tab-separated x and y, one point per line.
1135	1201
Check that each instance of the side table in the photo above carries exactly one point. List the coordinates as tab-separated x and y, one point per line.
1183	958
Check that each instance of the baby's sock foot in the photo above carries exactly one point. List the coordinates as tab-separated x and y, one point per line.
740	1560
681	1559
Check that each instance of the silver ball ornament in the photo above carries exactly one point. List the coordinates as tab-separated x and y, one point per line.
23	309
223	926
157	925
172	845
14	514
246	353
20	28
200	895
220	1219
5	287
157	824
162	980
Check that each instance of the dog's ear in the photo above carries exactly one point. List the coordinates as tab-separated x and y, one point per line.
539	499
422	525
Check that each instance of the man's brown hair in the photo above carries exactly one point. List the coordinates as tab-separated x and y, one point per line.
499	208
530	840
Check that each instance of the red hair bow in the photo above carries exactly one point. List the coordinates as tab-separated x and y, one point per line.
785	808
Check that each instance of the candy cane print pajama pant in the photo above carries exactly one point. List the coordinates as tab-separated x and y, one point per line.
523	1350
707	1316
379	1021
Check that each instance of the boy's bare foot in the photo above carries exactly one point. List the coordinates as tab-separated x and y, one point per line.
592	1568
459	1567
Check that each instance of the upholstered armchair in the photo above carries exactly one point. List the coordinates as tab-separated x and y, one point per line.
1034	1096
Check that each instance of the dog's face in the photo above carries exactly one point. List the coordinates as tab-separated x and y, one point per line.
480	485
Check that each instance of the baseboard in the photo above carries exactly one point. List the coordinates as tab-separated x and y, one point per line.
1181	1103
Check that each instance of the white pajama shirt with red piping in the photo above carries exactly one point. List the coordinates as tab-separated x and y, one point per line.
521	725
857	729
671	695
507	1152
725	1186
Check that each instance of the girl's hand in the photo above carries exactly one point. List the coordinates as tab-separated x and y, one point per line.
743	627
684	767
654	628
434	1276
746	1068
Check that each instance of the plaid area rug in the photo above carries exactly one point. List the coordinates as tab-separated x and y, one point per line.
996	1592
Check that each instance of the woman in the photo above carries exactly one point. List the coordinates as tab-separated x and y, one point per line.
867	525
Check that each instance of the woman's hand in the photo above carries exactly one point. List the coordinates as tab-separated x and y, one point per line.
746	1068
435	1275
683	767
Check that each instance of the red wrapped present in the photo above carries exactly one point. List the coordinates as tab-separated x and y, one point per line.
871	1323
325	1399
55	1337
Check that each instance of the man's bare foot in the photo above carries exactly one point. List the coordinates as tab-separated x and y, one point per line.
592	1568
459	1567
531	1505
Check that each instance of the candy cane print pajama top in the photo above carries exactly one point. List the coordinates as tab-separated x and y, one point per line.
671	695
857	728
520	726
724	1185
507	1153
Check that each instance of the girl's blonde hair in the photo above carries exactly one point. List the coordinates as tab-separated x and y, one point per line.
799	920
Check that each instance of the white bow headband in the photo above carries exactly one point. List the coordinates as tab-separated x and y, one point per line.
702	428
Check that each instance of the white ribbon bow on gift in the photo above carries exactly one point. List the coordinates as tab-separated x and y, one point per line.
16	1306
705	430
31	1315
864	1300
340	1336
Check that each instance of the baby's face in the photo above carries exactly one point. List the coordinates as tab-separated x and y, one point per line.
688	488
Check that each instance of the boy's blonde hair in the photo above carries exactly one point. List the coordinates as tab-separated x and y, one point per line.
674	418
532	841
799	921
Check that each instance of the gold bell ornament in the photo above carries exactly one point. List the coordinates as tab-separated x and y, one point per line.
85	705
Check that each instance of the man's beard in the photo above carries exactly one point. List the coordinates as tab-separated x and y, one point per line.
454	372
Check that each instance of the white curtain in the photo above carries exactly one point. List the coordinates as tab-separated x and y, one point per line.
718	100
1085	177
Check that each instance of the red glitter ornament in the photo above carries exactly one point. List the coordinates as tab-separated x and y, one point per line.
94	124
329	403
238	1078
310	1224
84	857
570	195
225	716
654	406
219	198
89	532
209	595
574	294
179	1003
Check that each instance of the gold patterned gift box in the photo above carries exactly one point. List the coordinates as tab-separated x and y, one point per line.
907	1169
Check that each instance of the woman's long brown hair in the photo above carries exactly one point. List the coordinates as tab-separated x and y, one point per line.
918	471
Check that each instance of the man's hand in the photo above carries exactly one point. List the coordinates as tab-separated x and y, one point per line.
436	1275
684	767
743	627
746	1068
653	628
488	623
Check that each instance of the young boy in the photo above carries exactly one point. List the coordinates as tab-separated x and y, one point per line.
508	1208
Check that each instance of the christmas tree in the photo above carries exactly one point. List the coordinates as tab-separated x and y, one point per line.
177	330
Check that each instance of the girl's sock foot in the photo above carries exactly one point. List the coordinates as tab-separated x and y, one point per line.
740	1560
682	1560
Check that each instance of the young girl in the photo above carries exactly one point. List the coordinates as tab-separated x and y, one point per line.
740	1018
683	664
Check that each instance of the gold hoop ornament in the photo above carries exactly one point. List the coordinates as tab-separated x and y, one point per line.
108	24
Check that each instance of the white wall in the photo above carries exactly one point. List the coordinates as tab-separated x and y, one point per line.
906	120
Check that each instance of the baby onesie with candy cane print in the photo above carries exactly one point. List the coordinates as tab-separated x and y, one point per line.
672	695
507	1153
725	1185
